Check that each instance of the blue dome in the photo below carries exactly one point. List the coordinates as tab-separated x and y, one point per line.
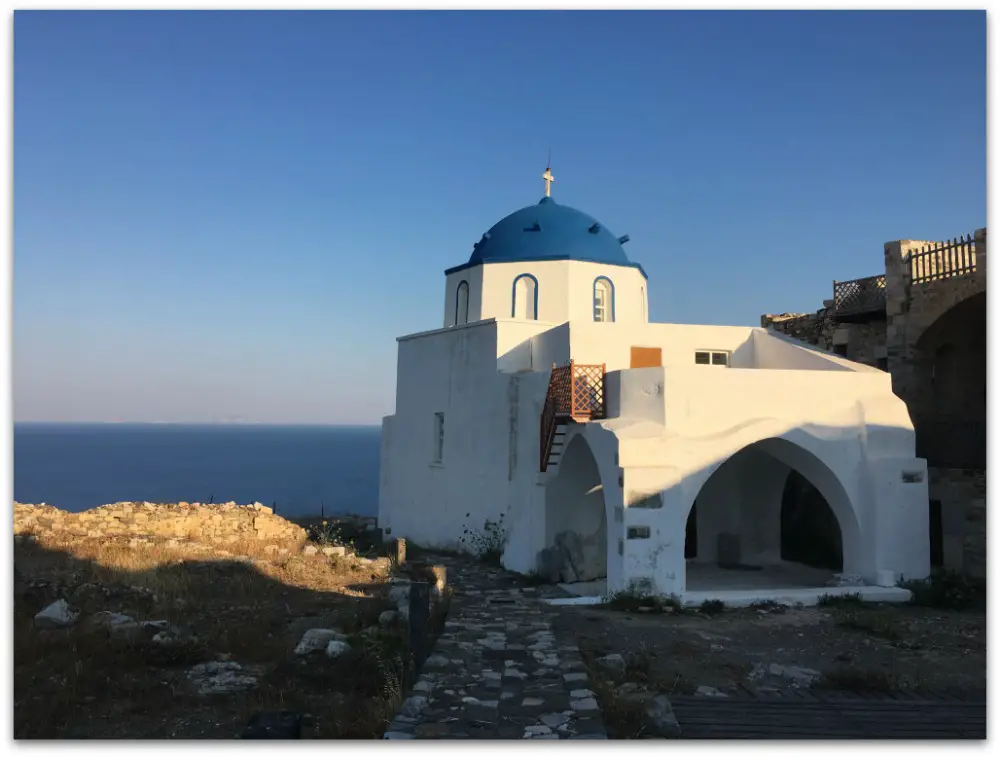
549	231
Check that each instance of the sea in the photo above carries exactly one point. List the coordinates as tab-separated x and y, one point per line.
301	470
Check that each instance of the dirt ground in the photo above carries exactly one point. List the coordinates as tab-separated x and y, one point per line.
851	646
245	607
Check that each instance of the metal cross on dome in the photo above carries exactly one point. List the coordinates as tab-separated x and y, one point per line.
549	178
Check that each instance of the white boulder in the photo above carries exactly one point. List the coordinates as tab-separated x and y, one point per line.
56	615
316	639
337	648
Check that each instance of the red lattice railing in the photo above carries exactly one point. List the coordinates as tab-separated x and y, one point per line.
576	392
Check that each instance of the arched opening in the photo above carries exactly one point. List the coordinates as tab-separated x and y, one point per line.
948	403
771	516
576	527
462	303
604	300
524	303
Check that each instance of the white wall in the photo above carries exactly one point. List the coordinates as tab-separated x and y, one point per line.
451	371
565	290
776	351
491	447
474	277
846	432
675	426
611	343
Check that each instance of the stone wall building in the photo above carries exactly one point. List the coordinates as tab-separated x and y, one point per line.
924	321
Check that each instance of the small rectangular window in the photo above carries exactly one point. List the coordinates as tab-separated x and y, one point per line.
706	357
438	437
840	349
883	364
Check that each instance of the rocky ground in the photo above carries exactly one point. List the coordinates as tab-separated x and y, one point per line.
172	632
637	653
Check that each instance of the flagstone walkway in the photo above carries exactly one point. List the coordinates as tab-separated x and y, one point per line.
499	670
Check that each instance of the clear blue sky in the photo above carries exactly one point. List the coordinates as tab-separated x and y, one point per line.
223	215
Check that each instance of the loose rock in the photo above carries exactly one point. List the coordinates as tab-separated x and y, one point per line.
316	639
660	718
709	691
220	678
388	618
56	615
337	648
614	663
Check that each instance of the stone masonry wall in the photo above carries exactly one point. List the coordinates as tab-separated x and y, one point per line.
962	494
912	308
813	328
865	342
208	524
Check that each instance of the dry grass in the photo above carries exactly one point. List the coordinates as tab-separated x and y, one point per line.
249	605
882	624
848	678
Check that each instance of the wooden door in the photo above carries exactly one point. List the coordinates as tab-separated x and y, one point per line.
646	357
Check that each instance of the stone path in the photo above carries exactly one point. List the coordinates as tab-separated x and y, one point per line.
499	670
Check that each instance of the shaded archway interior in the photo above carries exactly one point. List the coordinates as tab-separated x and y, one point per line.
576	528
760	523
948	406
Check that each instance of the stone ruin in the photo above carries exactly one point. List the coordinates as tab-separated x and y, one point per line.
215	525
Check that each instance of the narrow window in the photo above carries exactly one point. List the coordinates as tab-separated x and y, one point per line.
710	357
883	364
525	298
642	304
438	437
604	300
936	533
462	304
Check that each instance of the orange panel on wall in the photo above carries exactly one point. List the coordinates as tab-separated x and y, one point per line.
647	357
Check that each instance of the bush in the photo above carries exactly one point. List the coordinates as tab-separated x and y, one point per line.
840	600
948	590
632	599
487	544
712	607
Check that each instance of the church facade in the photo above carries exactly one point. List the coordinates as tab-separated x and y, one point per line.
547	414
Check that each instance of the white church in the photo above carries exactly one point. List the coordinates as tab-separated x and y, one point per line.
620	454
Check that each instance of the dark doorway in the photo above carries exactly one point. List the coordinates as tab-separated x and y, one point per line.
936	533
691	535
810	533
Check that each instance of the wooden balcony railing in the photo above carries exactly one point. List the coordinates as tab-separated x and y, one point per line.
859	299
576	392
942	260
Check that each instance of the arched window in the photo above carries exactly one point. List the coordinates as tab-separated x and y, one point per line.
604	300
462	303
524	300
